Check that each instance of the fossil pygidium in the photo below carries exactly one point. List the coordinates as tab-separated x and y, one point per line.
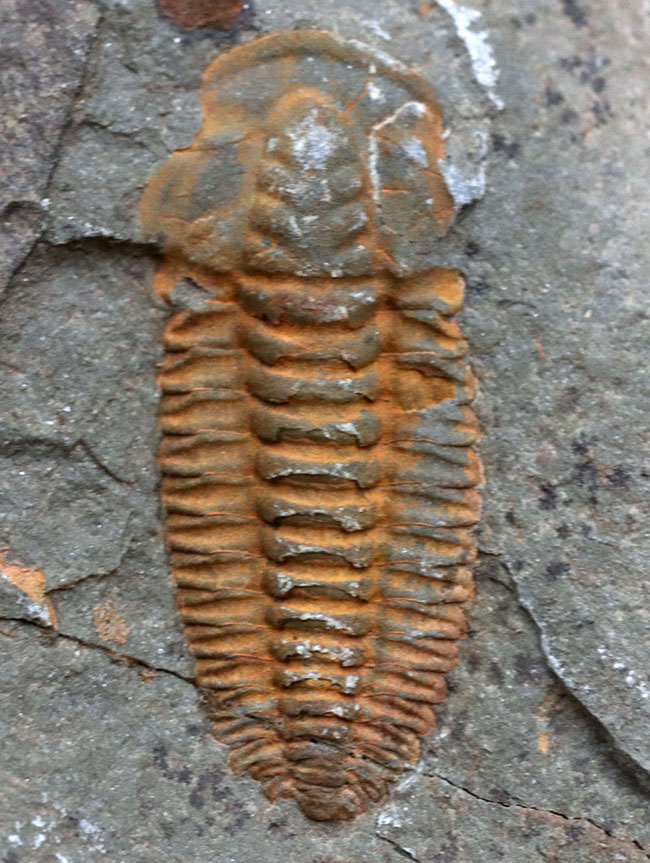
317	457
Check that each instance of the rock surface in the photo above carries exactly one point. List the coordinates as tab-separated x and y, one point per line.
44	51
542	751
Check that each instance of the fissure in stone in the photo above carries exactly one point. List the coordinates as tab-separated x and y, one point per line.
319	475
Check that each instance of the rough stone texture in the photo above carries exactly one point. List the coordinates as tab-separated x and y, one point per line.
511	734
561	322
437	822
78	439
556	255
44	49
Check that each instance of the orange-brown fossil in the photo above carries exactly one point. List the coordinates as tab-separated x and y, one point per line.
318	466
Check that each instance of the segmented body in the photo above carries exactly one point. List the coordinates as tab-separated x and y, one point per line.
318	466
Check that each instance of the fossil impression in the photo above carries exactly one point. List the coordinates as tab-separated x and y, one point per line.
318	467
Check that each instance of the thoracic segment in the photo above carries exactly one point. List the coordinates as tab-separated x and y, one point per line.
319	479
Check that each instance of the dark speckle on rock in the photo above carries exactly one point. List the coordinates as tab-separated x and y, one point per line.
548	500
602	111
580	445
557	569
447	854
527	668
570	63
553	97
161	759
569	116
477	287
575	831
473	662
501	145
586	476
196	794
208	781
574	12
620	477
495	674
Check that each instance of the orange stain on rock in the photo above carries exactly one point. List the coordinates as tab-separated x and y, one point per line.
109	625
192	14
32	582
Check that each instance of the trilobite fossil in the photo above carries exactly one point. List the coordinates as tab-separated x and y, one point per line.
319	475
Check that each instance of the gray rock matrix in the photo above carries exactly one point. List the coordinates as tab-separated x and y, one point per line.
542	750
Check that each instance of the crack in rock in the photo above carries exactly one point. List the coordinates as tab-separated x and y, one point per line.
630	762
583	819
74	101
128	540
43	188
68	447
115	655
402	850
